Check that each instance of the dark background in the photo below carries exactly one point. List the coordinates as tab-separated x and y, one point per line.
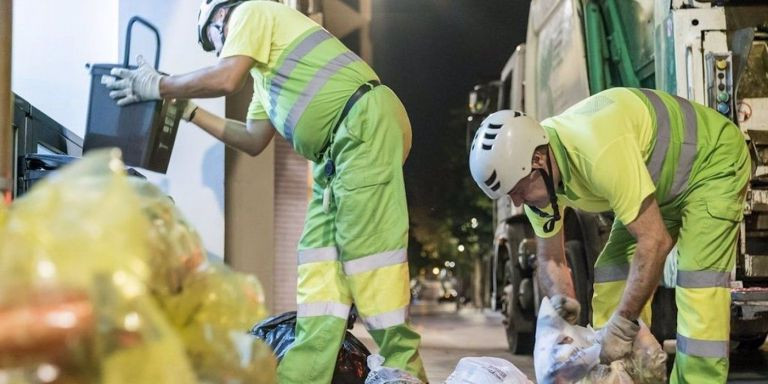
431	53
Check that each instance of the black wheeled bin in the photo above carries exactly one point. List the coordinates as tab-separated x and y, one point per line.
145	131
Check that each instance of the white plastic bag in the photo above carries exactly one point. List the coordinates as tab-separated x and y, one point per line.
564	353
486	370
385	375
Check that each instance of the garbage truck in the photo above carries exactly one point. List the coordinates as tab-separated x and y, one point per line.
713	52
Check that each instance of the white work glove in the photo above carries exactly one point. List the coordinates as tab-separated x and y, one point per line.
568	308
134	85
616	338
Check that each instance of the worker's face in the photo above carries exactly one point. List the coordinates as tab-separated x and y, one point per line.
530	190
217	30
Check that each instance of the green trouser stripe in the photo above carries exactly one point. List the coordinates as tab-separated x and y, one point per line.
323	308
315	255
703	279
608	273
321	77
385	320
702	348
289	63
696	370
375	261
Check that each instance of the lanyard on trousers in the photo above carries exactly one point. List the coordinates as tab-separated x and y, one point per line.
330	167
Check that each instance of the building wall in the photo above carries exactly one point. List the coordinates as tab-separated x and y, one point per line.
291	197
52	42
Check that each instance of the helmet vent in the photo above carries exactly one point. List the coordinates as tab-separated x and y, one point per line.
487	146
496	186
495	126
491	179
490	136
518	113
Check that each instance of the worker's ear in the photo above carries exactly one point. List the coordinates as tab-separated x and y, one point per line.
539	159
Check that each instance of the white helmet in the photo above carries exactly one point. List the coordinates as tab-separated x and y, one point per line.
208	8
502	151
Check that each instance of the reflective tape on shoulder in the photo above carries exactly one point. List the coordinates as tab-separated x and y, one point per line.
688	150
315	84
662	135
283	73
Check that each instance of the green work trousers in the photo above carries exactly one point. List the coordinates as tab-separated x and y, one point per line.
354	250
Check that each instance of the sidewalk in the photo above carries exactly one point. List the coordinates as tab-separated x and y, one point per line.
447	336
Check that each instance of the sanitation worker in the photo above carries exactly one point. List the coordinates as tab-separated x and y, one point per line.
330	106
670	170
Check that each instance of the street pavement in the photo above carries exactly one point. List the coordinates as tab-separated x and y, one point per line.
448	335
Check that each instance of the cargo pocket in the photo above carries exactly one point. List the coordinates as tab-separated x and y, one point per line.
367	206
714	249
356	179
726	210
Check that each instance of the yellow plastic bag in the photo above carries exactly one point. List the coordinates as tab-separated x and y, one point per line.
213	314
176	249
73	299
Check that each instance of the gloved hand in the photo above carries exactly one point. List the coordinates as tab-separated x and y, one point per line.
616	338
568	308
189	109
134	85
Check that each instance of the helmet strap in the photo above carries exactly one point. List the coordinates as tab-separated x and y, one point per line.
549	226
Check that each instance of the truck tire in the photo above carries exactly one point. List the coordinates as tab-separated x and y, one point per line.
518	325
751	343
574	254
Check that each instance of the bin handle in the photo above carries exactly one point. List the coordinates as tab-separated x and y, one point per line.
149	25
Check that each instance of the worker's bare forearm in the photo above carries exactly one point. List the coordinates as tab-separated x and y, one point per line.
222	79
554	275
251	138
644	275
653	245
203	83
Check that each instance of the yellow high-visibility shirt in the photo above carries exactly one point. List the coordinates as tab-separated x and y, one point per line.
601	146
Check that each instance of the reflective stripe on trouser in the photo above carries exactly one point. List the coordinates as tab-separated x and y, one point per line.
356	252
704	217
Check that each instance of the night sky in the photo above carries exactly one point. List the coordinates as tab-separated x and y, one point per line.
431	53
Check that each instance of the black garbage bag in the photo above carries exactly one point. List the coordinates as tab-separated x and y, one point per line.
351	364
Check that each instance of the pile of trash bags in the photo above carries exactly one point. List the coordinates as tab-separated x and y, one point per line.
102	280
566	353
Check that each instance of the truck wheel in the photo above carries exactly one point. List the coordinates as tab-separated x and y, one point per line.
520	338
574	254
751	343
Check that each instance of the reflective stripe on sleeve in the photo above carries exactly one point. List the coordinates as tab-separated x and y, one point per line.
314	255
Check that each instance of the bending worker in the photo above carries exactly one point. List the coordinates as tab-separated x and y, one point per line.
329	105
670	170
